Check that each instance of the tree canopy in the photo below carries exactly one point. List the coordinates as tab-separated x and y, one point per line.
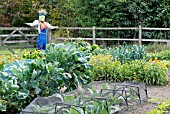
87	13
109	13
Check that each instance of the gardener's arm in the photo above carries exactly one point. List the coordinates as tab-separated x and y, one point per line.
50	26
35	23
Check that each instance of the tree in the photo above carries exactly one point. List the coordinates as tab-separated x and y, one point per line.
109	13
18	12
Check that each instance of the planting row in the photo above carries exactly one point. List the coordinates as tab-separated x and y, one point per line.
43	73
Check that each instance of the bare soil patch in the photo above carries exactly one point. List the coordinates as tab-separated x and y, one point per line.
154	92
156	95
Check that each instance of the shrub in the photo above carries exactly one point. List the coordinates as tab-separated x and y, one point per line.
163	55
105	68
150	72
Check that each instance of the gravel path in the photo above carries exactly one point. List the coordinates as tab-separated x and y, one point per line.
155	93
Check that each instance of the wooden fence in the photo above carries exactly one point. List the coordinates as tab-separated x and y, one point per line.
23	35
138	39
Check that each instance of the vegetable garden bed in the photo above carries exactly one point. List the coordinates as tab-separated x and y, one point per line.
110	98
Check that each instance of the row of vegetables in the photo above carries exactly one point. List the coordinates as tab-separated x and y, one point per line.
43	73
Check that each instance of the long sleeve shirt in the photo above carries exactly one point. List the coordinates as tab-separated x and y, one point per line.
37	23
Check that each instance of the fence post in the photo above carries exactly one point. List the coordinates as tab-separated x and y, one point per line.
0	41
94	35
140	35
49	35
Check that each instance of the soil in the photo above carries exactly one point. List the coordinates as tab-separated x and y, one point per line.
156	95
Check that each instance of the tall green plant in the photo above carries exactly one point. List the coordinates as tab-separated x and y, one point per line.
72	60
23	80
125	53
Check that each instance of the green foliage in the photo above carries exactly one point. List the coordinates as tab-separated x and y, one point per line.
152	72
165	63
163	55
18	12
129	65
73	60
104	68
62	14
70	64
123	53
2	105
162	108
156	47
33	55
11	92
106	13
1	65
88	13
127	53
123	13
77	101
62	65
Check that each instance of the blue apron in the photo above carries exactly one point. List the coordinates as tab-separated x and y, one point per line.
42	39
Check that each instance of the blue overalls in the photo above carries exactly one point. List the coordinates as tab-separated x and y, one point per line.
42	39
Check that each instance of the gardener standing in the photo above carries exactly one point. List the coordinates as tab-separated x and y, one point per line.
42	29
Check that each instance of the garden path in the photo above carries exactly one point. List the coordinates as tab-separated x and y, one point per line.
156	94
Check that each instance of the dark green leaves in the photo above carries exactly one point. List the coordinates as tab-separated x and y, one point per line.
23	94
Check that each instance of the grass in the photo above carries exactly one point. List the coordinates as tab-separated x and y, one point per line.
7	52
157	47
14	47
17	51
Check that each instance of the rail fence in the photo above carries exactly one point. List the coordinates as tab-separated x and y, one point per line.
27	35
